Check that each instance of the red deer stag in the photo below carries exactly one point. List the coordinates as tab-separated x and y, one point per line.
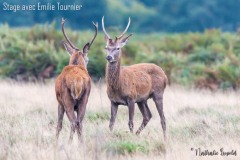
133	84
73	85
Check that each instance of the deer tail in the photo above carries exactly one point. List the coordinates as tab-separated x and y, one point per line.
77	88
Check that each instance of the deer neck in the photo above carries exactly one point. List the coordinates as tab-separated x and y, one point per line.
78	61
113	74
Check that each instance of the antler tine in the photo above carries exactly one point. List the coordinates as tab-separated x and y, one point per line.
129	21
96	31
66	37
104	30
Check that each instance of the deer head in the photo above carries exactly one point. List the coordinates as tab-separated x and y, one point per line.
77	56
113	47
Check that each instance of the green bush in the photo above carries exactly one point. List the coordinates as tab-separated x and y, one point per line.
209	59
126	147
229	74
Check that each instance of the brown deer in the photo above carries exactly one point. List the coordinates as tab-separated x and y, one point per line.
133	84
73	85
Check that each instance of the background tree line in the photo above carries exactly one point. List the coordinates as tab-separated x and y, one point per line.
206	59
147	15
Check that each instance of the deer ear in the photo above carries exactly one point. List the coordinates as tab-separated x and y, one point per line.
124	41
86	48
68	48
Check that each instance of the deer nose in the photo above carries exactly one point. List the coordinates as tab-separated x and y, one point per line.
109	58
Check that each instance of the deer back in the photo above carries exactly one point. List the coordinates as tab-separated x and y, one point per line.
74	79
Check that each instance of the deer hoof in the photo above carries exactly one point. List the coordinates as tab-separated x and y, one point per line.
131	130
110	127
137	133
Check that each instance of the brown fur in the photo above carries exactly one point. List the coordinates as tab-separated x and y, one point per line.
132	84
136	84
73	86
75	78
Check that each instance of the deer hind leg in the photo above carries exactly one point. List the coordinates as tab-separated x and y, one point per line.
143	107
80	116
148	110
131	114
60	119
80	113
158	99
73	120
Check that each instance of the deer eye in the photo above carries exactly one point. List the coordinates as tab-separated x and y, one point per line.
117	48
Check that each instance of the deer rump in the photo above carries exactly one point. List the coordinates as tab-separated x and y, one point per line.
76	88
74	80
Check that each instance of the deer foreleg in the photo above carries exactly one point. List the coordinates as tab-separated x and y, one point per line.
114	109
131	114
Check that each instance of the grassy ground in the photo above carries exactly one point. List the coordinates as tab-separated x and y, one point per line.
195	119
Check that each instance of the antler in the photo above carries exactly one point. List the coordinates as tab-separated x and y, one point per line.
96	31
104	30
129	21
66	37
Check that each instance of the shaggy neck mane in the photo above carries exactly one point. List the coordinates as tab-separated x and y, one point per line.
77	61
112	74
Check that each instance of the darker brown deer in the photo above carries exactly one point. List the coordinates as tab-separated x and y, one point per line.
133	84
73	85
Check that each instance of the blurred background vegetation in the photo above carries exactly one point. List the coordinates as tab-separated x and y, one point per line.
147	15
197	43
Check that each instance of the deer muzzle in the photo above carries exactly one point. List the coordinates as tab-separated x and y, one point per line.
110	59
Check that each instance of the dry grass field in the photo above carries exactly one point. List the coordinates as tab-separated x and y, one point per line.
195	119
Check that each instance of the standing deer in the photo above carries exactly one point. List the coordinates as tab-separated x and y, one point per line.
133	84
73	85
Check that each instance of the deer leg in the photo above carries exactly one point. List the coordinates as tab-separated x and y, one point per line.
148	110
81	112
146	115
114	109
131	114
60	119
80	116
72	119
158	99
